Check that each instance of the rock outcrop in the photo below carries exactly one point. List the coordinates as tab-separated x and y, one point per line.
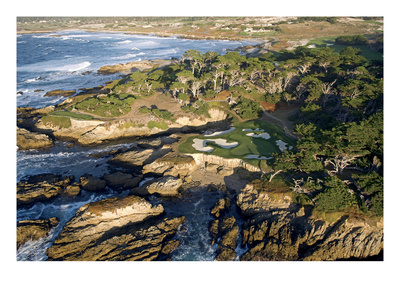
41	187
210	161
120	180
139	157
224	230
90	183
278	229
133	66
60	93
258	196
32	230
164	186
32	140
127	228
93	132
177	166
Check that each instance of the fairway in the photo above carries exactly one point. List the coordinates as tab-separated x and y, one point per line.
253	146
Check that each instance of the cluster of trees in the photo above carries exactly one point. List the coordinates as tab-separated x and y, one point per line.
351	40
338	160
110	105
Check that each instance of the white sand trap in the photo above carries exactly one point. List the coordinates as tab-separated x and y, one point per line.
282	145
201	145
255	156
263	135
257	129
221	132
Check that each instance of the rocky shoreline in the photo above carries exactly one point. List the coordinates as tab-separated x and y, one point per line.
251	219
248	215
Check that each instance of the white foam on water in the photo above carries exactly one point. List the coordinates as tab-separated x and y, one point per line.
71	67
129	55
125	42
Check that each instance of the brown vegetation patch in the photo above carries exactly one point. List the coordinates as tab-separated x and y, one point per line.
268	106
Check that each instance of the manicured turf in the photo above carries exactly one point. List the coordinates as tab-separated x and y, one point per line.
367	52
247	145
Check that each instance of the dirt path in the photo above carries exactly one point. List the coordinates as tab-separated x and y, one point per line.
280	117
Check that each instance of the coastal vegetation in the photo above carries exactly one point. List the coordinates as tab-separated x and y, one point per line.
337	103
294	137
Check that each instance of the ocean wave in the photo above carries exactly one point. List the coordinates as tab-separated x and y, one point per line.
72	67
30	80
125	42
129	55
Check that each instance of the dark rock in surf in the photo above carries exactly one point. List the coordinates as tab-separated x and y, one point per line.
32	230
39	188
91	183
120	180
60	93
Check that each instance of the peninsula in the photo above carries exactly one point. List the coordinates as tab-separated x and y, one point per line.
287	136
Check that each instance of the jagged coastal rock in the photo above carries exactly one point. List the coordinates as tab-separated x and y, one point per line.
120	180
133	66
138	157
41	187
177	166
124	228
259	196
59	93
32	230
90	183
32	140
278	229
92	132
164	186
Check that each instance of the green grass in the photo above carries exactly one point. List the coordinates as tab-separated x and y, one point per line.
368	53
247	145
162	125
71	115
56	121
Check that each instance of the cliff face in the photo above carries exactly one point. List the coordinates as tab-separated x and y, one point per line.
96	132
203	160
278	229
124	228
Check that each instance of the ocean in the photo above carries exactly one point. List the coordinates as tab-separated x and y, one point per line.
69	60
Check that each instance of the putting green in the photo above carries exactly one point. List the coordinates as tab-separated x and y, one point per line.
247	145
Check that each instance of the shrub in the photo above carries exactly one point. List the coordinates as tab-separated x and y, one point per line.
248	109
336	196
183	97
351	40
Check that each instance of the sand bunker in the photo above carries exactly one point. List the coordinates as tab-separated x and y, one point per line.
221	132
201	145
255	156
257	129
263	135
282	145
